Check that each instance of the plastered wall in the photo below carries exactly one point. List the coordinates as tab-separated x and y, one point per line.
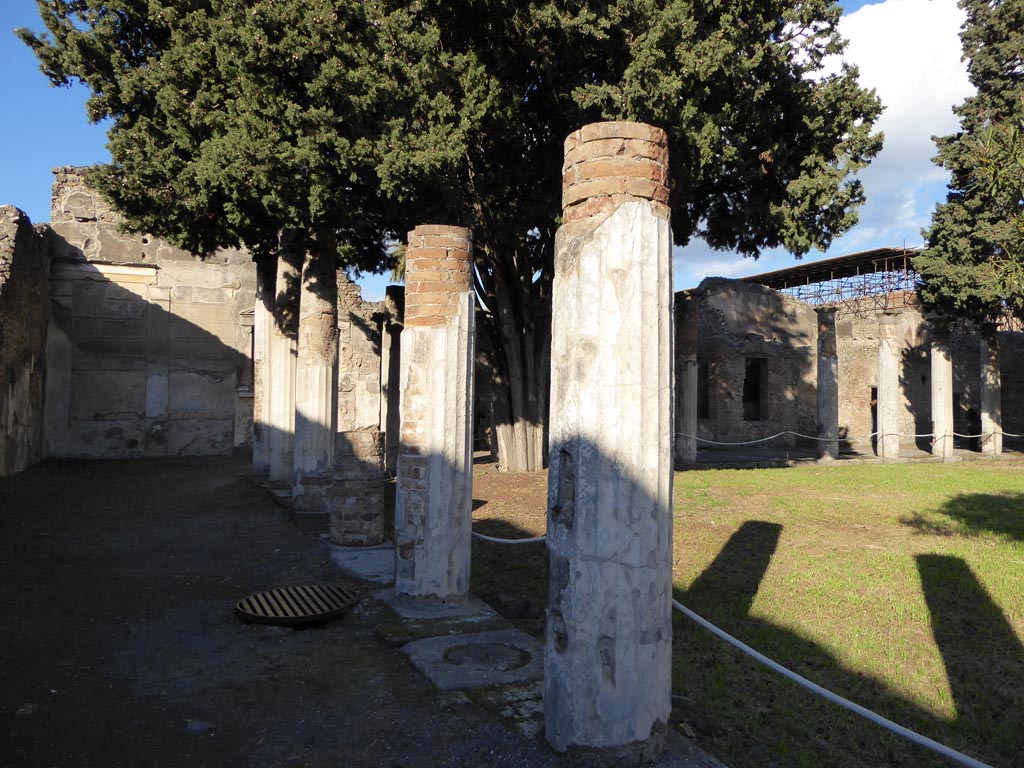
149	348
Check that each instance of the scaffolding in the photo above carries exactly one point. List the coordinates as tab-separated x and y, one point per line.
859	284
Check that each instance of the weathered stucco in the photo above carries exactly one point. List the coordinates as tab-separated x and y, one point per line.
607	657
741	321
148	345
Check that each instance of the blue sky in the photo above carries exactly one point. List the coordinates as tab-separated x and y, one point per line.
906	49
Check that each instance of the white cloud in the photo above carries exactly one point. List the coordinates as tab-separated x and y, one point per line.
909	52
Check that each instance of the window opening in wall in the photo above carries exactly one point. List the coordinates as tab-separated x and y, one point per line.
753	388
703	390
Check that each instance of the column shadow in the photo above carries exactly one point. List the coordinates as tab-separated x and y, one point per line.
772	721
983	656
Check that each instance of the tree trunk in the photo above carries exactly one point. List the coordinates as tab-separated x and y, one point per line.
520	334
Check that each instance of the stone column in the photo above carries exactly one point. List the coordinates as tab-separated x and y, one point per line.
357	507
158	357
991	393
608	654
942	394
283	341
316	364
828	384
435	459
263	332
888	389
686	373
390	374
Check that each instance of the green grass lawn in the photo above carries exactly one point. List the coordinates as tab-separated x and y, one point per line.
900	587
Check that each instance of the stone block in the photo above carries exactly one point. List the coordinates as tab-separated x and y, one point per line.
357	511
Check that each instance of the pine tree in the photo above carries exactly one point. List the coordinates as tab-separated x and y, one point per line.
233	119
973	266
763	148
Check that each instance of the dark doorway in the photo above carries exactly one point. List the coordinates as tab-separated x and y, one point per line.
753	388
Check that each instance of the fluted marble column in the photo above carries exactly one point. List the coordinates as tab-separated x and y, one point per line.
434	495
283	341
942	394
888	389
608	651
991	394
828	384
316	403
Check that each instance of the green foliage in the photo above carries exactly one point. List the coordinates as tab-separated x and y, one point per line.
230	113
974	264
234	120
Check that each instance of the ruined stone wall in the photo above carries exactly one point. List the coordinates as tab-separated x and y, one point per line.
149	351
24	309
1011	364
360	493
741	321
965	346
359	358
857	345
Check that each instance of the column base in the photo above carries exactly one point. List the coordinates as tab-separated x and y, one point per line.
357	512
635	753
312	494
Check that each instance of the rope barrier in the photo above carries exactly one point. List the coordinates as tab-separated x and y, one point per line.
889	725
496	540
856	439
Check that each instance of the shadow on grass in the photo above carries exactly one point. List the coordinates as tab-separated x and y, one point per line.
984	658
971	514
747	715
511	579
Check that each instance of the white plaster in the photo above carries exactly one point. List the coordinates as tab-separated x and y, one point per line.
608	684
991	397
942	398
433	529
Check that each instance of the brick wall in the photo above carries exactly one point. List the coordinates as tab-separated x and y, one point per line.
609	163
437	268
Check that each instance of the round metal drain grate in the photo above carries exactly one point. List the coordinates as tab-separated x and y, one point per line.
489	657
293	606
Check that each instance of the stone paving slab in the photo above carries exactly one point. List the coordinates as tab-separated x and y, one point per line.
415	620
374	564
478	660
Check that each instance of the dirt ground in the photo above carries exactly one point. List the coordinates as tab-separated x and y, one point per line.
119	645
